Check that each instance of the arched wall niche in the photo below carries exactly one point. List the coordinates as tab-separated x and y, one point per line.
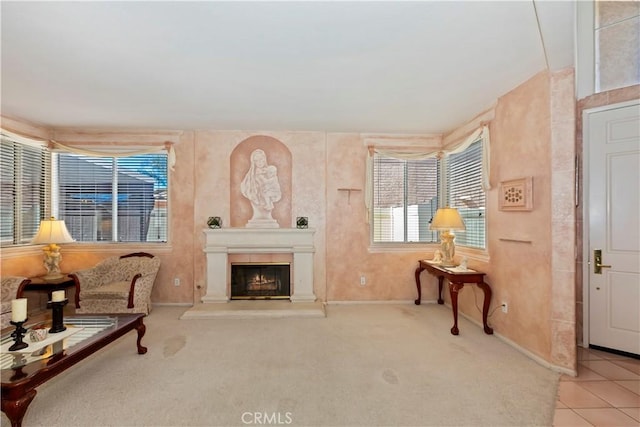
278	155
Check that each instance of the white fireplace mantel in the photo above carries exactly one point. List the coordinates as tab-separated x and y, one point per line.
221	242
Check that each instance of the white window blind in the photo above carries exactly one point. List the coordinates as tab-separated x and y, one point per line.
405	198
120	199
24	182
464	192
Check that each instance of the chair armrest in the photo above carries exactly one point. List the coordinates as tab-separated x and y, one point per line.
132	289
21	287
13	287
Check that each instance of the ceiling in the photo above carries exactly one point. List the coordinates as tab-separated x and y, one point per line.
378	67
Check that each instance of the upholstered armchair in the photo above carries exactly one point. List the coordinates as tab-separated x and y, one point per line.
118	284
9	290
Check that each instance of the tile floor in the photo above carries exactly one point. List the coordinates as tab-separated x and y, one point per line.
606	392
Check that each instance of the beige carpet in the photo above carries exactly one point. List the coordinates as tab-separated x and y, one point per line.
362	365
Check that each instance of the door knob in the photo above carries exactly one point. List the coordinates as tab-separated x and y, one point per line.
597	262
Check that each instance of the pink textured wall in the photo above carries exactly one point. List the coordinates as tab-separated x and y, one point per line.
177	257
216	187
532	122
389	275
531	254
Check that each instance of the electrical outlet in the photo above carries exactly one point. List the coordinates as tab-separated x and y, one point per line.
363	280
176	281
505	307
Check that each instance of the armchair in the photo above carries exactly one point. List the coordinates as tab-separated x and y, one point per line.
118	284
10	290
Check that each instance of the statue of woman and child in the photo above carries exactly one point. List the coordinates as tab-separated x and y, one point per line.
261	186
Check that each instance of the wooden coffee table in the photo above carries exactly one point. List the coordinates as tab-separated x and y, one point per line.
22	372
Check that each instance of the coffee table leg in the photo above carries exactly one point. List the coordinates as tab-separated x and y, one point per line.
141	328
15	409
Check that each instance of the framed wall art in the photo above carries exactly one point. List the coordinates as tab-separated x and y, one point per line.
516	195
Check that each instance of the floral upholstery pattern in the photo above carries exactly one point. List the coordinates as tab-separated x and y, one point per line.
114	283
9	291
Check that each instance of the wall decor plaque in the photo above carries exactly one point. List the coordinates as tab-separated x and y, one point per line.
516	195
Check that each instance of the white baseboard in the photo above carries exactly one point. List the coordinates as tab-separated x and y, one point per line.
171	304
378	302
523	350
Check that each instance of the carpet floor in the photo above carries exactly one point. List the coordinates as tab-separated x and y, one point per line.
362	365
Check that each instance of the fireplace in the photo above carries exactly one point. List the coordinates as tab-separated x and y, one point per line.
221	242
260	281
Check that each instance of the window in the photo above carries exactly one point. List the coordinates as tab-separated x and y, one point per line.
120	199
465	192
24	183
405	198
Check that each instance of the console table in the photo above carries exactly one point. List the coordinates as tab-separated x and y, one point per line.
42	284
457	280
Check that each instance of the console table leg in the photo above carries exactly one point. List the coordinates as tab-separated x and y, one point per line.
485	307
418	285
15	409
440	283
141	328
453	290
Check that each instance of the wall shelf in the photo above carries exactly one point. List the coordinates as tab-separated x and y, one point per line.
502	239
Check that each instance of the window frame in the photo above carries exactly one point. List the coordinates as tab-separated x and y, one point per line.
387	245
443	197
115	161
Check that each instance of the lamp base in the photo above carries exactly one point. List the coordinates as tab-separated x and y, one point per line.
53	276
52	260
448	249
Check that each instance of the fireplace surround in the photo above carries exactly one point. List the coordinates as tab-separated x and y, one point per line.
219	243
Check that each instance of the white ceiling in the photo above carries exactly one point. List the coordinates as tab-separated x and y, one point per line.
390	67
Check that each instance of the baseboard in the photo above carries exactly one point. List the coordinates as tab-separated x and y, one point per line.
360	302
171	304
530	355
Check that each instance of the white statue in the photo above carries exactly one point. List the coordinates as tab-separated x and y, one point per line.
437	256
261	186
463	263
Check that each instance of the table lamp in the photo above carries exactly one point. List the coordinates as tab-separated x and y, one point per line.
51	232
445	220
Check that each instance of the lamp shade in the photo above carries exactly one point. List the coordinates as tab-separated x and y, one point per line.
447	219
52	231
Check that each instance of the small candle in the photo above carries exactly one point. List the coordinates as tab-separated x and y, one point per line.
19	310
57	296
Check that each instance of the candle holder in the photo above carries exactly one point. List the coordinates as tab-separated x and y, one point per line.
56	316
17	336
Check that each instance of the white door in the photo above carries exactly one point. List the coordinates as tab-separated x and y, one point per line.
612	138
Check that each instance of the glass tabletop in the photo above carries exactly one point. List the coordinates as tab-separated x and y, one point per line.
79	330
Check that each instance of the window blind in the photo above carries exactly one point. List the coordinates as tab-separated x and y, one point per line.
114	199
464	192
405	198
24	184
